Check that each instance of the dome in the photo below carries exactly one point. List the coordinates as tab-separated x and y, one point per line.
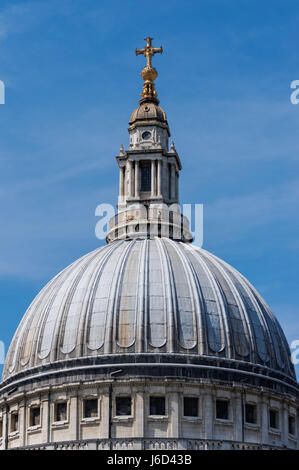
148	112
149	296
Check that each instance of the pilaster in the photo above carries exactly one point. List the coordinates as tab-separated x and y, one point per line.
105	415
265	420
23	422
285	423
239	416
174	428
74	417
139	421
45	418
208	414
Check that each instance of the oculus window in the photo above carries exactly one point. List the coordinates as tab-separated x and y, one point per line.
146	135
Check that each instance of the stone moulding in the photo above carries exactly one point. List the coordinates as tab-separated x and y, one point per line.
172	366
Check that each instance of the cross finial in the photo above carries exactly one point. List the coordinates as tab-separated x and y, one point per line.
149	73
148	51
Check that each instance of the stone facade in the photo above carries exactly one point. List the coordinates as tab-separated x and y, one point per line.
140	429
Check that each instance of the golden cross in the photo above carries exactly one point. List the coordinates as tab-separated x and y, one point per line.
148	51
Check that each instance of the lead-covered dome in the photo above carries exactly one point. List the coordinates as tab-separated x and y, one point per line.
148	296
148	112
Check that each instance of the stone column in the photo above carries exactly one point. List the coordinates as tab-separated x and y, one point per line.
153	178
130	171
159	177
174	410
137	179
172	181
208	414
121	182
133	179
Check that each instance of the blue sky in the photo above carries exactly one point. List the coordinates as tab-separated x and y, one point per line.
72	81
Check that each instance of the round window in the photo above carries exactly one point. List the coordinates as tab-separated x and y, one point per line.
146	135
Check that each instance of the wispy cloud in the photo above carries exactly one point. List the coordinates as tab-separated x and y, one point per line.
34	184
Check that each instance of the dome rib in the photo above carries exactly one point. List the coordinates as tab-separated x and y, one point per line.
156	304
238	318
62	303
274	340
167	280
194	300
125	308
202	337
142	299
83	340
19	345
255	320
94	334
110	336
265	340
67	339
213	306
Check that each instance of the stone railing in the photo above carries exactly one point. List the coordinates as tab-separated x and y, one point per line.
155	444
138	221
